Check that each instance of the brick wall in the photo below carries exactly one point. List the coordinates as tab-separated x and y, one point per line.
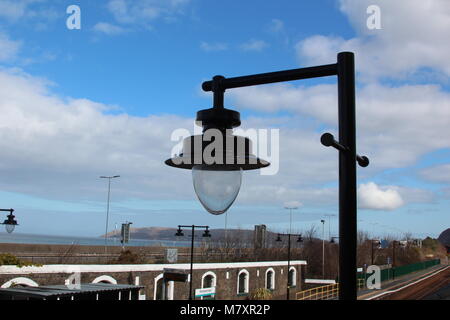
226	276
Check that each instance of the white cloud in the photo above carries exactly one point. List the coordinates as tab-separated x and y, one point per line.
143	12
414	35
216	46
8	48
388	129
276	26
57	147
109	29
254	45
17	10
439	173
372	196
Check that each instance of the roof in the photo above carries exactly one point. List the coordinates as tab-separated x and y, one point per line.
108	268
63	290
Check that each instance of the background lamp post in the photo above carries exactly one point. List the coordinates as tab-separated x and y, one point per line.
372	243
107	210
290	208
323	248
10	223
180	233
217	194
299	239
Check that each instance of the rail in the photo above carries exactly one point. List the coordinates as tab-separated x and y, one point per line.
327	292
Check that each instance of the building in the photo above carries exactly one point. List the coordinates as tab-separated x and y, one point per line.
234	280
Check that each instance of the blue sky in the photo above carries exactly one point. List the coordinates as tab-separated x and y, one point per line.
104	100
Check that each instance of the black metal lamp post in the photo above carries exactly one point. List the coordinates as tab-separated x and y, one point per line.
299	239
332	240
180	233
394	243
10	223
372	243
223	120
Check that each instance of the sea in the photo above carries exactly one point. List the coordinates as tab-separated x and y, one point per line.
51	239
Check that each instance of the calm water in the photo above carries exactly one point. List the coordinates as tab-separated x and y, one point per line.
45	239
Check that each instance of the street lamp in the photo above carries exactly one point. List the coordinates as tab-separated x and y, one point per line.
299	239
217	182
10	223
323	248
180	233
372	243
332	239
217	157
290	207
107	208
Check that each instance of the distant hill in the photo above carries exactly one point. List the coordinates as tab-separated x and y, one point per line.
164	233
444	237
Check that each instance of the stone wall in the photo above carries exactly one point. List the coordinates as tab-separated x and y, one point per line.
225	274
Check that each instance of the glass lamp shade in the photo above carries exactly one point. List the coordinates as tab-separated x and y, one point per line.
10	227
216	189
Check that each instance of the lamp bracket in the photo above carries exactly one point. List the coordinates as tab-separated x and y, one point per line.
327	139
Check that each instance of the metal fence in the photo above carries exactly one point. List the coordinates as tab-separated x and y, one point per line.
393	272
327	292
331	291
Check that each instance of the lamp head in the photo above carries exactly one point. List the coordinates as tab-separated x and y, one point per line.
10	223
179	233
206	234
217	158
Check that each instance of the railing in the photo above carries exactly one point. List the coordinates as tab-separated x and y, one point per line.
327	292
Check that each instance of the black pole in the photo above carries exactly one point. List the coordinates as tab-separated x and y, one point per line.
347	176
371	252
289	265
192	261
393	259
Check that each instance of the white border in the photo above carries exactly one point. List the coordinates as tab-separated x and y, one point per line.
67	268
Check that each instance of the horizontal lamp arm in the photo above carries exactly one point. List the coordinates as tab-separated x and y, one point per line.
271	77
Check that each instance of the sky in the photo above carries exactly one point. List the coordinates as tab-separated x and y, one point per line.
104	97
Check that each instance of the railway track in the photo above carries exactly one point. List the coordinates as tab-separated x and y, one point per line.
417	289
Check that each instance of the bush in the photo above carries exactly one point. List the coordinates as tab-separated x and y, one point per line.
7	259
261	294
128	257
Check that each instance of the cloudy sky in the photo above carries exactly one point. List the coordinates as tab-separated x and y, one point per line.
105	99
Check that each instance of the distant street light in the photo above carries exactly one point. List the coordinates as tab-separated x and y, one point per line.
290	207
299	239
10	223
323	248
372	243
180	233
329	223
107	209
